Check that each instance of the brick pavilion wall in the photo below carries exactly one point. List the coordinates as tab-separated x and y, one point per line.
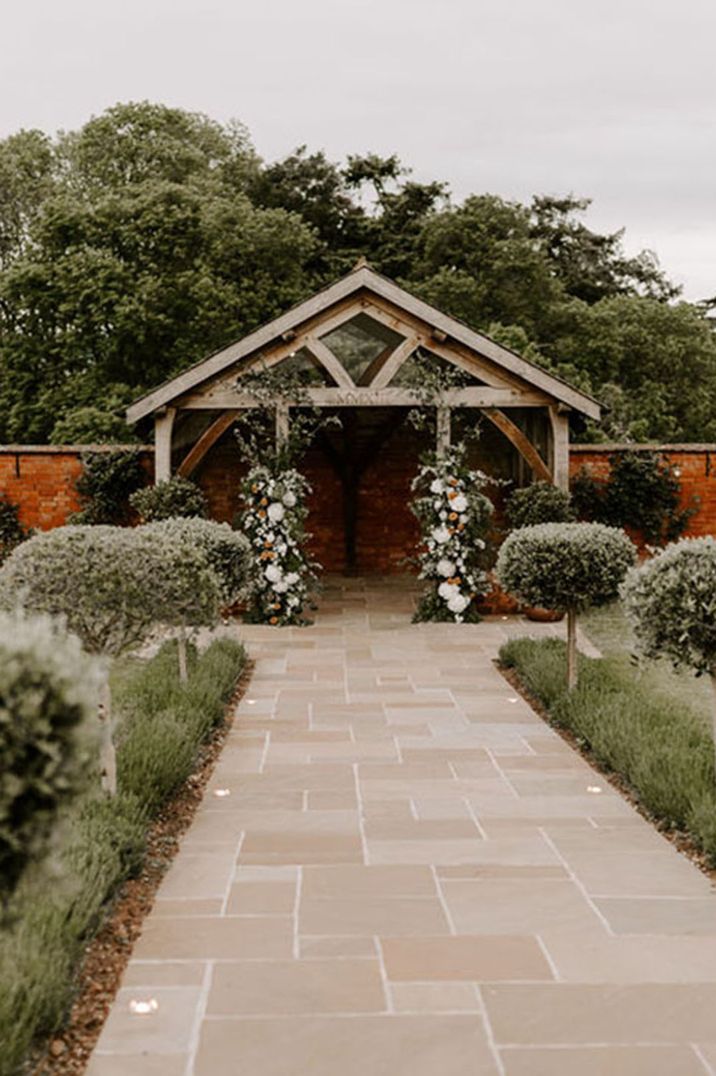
40	480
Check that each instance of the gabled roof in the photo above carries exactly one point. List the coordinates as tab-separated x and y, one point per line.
366	280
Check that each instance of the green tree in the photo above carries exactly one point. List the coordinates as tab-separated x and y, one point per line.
147	257
591	266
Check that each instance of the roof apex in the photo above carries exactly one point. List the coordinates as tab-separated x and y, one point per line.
362	276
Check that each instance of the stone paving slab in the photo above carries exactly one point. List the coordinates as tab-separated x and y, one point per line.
400	870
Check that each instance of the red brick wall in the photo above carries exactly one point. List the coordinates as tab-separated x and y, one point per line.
41	481
696	465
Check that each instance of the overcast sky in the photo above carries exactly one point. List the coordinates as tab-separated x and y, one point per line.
614	99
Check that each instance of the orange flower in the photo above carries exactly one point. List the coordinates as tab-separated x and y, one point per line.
262	514
453	515
273	620
263	502
268	543
254	488
452	495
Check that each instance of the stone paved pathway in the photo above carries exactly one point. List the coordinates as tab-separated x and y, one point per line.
399	870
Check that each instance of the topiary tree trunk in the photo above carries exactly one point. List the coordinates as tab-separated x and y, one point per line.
571	649
107	752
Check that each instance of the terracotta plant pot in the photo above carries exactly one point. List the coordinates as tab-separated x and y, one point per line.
543	616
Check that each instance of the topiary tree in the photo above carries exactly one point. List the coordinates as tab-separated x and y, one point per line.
112	586
541	502
671	603
168	499
48	703
187	592
228	553
565	566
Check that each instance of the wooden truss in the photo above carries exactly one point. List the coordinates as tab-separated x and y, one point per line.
501	379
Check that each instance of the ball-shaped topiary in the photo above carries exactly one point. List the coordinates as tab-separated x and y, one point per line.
565	566
228	552
540	502
171	498
671	602
48	711
112	586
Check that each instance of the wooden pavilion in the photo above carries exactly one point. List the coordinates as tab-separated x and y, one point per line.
357	339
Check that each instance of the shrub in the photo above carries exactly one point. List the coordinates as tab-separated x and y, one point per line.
658	745
671	602
12	531
168	499
103	843
91	426
642	492
48	703
227	551
539	503
112	586
107	481
565	566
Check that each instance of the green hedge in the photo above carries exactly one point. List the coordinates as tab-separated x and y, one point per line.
162	726
660	747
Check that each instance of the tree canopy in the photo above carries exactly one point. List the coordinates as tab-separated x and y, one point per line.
133	247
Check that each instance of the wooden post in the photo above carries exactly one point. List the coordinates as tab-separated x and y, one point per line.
559	423
282	419
443	430
163	425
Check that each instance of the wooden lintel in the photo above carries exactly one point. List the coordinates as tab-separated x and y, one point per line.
359	396
208	438
522	443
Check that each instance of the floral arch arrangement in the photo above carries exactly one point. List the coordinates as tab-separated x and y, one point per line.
454	516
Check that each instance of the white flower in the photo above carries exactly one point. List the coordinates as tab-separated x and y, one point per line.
292	578
289	499
441	535
458	603
448	591
436	486
276	512
446	567
459	503
281	588
437	505
273	573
